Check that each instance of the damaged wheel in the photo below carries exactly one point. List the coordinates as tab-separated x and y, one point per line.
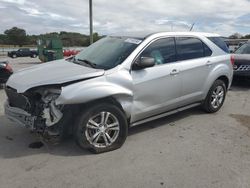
102	128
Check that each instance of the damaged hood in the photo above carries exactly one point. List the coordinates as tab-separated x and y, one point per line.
55	72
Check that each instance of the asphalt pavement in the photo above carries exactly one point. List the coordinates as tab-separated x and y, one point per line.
190	149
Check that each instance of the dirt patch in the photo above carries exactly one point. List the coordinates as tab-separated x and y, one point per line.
242	119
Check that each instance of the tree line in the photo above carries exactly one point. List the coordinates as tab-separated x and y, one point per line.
239	36
18	37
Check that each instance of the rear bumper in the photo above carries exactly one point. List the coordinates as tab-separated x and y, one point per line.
242	73
19	116
242	70
5	76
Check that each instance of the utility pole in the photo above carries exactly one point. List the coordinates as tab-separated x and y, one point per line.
90	22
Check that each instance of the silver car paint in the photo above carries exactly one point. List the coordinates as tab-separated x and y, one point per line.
155	83
56	72
118	84
147	92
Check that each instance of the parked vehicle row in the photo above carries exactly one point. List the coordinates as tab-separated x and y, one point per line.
242	61
119	82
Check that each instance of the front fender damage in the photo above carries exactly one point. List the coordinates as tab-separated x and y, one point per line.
80	94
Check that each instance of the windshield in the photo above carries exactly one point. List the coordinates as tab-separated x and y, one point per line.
244	49
107	52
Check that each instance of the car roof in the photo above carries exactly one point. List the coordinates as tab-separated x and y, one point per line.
143	35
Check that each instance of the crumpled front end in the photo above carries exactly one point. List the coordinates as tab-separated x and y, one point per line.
35	109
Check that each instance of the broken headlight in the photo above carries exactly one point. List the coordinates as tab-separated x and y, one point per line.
49	95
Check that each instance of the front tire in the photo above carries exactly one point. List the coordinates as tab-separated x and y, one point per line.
215	97
14	56
101	128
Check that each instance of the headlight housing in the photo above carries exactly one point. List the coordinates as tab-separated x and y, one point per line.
49	95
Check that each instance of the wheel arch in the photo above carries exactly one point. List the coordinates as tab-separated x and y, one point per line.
118	101
222	77
222	72
225	79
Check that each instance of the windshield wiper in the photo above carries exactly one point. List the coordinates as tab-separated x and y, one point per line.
93	65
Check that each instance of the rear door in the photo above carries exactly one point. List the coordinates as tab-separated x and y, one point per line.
194	58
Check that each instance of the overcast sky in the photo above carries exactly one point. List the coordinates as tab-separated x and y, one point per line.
111	16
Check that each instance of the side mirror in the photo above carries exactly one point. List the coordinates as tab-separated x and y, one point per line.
144	62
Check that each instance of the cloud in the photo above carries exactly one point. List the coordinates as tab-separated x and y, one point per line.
15	1
222	16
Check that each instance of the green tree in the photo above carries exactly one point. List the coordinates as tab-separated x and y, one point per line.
16	36
96	37
246	36
235	36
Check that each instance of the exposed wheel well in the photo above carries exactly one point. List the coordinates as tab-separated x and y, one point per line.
73	111
109	100
225	80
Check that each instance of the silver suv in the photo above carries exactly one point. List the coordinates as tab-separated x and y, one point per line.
119	82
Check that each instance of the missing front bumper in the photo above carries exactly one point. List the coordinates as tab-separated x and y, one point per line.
19	116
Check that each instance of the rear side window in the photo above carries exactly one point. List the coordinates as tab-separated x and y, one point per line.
162	50
220	43
189	48
207	51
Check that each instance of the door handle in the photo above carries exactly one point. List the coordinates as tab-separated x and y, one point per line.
209	63
174	72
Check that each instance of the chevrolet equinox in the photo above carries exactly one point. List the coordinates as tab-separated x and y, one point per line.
119	82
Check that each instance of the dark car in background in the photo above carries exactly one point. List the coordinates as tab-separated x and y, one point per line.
23	52
5	71
242	61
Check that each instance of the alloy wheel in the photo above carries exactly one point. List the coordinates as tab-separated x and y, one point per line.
217	97
102	129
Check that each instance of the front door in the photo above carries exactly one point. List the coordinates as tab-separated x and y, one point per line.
157	89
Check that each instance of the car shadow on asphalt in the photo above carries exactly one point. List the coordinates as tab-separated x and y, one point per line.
15	140
240	84
165	121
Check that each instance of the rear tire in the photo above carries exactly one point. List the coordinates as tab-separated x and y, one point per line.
34	56
215	97
101	128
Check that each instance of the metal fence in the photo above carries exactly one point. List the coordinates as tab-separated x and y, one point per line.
4	51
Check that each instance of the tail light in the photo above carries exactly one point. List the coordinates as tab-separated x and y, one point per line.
232	59
8	67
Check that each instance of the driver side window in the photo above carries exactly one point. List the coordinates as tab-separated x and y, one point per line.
162	50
